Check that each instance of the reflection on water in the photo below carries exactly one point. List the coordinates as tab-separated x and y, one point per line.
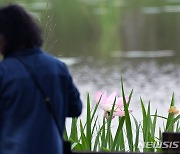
165	9
69	61
143	54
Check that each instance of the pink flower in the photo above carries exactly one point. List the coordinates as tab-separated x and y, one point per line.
106	103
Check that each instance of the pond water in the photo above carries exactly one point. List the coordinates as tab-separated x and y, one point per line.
138	41
147	60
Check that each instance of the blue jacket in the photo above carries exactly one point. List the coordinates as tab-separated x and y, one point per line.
26	125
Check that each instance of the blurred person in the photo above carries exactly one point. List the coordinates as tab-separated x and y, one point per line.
26	125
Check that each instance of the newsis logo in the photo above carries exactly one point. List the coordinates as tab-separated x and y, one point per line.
156	145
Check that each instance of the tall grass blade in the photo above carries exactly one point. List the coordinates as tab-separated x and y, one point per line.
130	96
173	121
170	117
95	109
97	139
121	144
120	126
148	128
84	140
95	125
154	124
74	132
177	127
65	135
127	120
109	123
88	120
117	138
136	149
103	134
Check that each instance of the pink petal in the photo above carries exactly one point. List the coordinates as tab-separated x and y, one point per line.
102	96
98	96
120	101
111	98
106	106
119	113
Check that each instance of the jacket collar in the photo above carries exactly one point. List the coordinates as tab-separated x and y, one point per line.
25	52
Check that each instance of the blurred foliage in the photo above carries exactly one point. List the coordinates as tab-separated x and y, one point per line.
77	25
85	27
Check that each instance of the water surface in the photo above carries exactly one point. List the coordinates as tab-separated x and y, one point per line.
102	42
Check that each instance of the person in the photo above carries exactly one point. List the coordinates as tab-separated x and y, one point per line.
26	125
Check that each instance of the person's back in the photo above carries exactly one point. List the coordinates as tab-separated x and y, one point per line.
26	125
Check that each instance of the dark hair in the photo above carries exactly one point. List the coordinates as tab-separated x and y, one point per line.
19	29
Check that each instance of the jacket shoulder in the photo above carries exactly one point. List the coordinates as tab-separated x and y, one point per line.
57	62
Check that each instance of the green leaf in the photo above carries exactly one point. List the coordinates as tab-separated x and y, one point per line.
121	143
95	109
94	126
127	120
116	138
74	133
110	139
144	117
65	135
103	134
170	117
84	140
109	123
76	146
130	96
88	122
120	126
97	139
154	124
136	149
160	134
177	127
171	124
